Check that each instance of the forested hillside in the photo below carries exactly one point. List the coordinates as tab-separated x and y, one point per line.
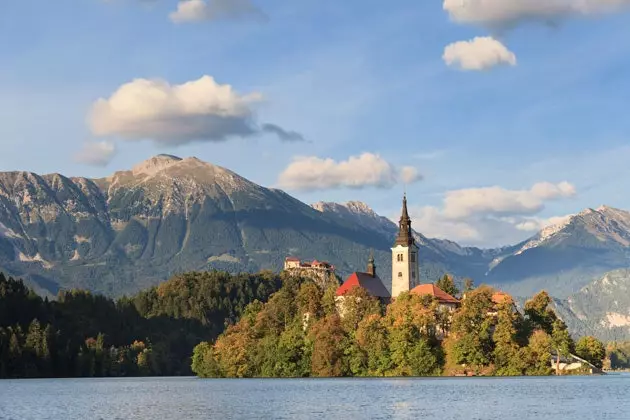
151	333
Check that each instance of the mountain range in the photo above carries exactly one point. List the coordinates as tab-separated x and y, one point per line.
135	228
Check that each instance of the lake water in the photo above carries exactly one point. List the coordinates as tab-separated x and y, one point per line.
575	398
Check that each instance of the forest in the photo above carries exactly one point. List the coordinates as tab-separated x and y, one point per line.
152	333
276	325
303	330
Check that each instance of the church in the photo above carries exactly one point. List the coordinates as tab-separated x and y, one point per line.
405	270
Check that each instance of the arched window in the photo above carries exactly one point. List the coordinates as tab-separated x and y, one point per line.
400	258
399	274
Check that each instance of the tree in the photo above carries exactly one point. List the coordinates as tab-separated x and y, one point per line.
561	342
539	314
538	354
507	354
372	356
447	284
412	328
329	341
357	304
204	364
470	341
469	285
592	350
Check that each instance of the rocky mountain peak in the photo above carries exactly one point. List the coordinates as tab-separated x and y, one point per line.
355	207
155	164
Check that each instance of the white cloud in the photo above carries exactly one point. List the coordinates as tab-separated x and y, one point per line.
480	53
460	204
209	10
490	216
366	170
409	175
535	224
199	110
96	153
507	13
431	222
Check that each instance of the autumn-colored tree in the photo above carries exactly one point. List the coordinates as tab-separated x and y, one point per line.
355	305
234	351
329	344
412	325
372	356
538	354
309	301
592	350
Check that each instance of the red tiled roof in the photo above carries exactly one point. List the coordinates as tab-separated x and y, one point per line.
433	290
500	297
373	285
292	259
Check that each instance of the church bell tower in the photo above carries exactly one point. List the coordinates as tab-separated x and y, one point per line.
405	267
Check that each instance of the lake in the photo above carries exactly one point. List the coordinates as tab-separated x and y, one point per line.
575	398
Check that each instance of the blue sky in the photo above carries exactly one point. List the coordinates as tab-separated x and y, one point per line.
351	78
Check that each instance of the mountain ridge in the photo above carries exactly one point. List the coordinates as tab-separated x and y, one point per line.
167	214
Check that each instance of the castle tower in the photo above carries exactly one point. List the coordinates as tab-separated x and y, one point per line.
405	267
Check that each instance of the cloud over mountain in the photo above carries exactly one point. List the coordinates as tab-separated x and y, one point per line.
490	214
210	10
308	173
480	53
199	110
96	153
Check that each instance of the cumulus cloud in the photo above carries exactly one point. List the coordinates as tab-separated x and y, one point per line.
495	200
310	173
497	14
490	216
199	110
480	53
210	10
96	153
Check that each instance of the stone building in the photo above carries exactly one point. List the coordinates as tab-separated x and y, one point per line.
321	272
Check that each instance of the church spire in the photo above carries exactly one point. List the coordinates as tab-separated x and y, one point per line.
371	268
404	238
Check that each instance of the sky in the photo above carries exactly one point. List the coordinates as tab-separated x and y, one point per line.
497	117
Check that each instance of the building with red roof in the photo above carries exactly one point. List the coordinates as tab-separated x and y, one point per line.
444	299
369	281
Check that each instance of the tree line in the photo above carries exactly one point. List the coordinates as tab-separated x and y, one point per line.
305	330
152	333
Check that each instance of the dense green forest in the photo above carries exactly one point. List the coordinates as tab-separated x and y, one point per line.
152	333
303	331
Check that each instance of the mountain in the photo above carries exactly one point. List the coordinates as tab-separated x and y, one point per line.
602	308
565	257
135	228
